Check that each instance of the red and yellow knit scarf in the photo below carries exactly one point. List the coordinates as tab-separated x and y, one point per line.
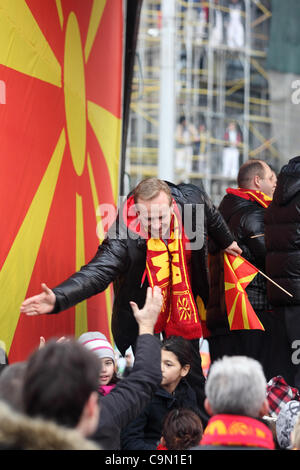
251	195
167	268
234	430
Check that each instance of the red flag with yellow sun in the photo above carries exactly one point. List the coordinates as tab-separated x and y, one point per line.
238	273
61	65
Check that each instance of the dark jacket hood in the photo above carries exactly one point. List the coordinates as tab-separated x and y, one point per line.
288	182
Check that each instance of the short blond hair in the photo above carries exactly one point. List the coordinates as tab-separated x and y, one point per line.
150	188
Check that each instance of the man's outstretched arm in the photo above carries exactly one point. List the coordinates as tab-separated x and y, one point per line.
93	278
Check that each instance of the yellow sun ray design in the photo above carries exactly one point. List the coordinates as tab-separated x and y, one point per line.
229	285
95	18
232	311
101	237
106	127
27	50
74	91
244	313
75	100
236	263
13	286
60	13
80	309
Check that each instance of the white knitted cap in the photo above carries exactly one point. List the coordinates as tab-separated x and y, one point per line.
98	343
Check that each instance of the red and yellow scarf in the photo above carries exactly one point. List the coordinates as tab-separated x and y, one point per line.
234	430
251	195
167	268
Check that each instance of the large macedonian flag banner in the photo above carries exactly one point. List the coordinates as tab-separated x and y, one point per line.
61	64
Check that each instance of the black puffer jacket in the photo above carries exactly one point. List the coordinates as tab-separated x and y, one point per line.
130	396
245	218
144	432
282	234
122	259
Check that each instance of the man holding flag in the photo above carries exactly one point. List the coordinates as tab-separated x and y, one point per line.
239	318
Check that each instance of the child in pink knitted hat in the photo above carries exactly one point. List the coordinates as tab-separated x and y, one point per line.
98	343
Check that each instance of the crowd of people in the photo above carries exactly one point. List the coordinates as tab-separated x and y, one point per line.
166	260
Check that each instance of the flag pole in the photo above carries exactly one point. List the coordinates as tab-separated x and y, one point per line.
275	283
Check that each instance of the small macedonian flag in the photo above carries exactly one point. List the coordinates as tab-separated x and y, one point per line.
238	273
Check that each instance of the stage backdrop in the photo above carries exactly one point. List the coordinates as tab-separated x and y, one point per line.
60	129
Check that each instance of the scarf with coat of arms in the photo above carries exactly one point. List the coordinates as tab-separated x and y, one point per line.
167	268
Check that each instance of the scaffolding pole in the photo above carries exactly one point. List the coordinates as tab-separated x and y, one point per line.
247	80
167	92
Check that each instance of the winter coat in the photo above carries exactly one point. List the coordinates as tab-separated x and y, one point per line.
282	235
131	394
245	218
20	432
122	259
145	431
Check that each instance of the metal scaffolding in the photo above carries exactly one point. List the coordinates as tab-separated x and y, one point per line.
200	103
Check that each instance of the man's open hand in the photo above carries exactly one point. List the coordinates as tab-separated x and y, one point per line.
39	304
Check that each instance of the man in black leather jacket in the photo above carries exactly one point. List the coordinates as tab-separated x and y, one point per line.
149	213
121	259
243	209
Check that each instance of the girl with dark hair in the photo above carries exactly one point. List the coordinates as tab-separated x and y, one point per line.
182	429
144	432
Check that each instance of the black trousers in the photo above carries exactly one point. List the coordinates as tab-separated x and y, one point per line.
196	380
272	347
